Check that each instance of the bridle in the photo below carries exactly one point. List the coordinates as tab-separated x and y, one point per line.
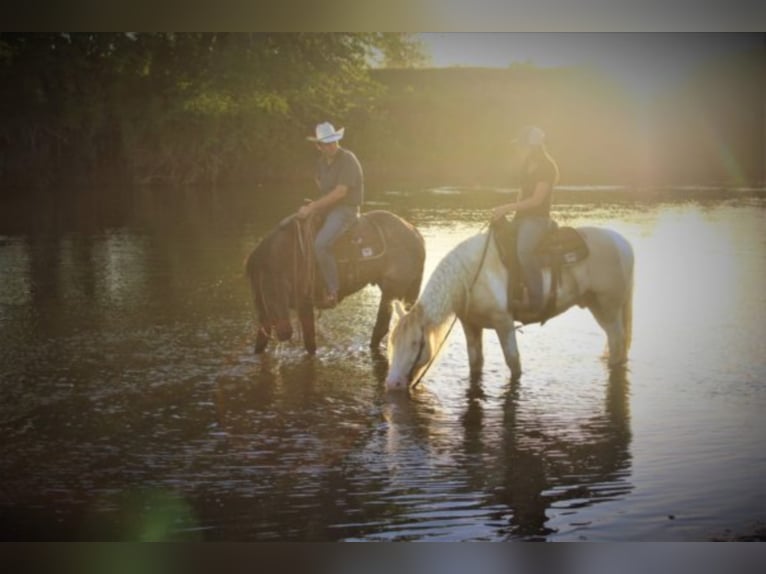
415	362
454	320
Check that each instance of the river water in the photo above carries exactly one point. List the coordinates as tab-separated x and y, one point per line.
134	409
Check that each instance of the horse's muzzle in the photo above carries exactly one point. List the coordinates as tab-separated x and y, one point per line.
396	384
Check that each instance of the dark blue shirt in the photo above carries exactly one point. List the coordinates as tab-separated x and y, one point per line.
344	169
543	171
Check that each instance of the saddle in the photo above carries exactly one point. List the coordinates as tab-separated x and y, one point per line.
364	241
561	246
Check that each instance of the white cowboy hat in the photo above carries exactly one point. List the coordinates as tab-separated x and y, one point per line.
530	135
326	133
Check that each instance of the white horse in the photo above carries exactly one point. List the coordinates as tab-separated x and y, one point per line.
470	282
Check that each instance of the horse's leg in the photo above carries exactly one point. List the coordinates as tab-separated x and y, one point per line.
306	317
609	316
262	339
475	351
412	292
507	336
383	320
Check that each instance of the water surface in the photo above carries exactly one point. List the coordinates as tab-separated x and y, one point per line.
133	407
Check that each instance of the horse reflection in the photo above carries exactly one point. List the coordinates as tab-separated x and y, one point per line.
473	418
542	465
414	423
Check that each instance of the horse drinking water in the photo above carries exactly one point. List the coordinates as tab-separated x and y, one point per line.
470	284
380	249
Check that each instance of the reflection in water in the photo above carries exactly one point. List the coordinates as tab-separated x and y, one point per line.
548	470
128	382
499	469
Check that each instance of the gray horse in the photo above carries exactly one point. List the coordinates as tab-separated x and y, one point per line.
470	283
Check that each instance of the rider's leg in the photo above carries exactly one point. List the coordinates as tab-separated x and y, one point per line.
336	222
531	232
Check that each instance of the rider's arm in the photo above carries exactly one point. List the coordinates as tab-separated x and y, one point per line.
324	202
542	189
330	199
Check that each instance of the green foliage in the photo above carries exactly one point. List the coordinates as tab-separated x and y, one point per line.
177	108
202	108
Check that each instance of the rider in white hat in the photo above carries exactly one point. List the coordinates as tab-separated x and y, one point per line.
340	180
326	133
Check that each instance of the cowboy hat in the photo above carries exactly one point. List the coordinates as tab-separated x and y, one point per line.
530	135
326	133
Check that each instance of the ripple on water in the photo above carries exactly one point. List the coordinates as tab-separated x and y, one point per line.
148	381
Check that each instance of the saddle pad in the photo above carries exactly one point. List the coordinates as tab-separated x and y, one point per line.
563	245
363	240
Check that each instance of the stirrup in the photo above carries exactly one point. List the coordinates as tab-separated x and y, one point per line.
524	313
524	306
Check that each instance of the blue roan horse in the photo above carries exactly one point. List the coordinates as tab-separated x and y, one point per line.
471	282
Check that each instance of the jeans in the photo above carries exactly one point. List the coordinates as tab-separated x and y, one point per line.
337	221
531	231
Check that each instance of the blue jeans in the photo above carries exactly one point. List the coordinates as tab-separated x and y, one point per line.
531	231
337	221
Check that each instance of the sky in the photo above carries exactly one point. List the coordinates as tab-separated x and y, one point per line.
641	61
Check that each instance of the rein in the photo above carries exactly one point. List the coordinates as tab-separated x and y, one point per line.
454	319
302	269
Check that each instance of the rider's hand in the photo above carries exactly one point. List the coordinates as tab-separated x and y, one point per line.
499	213
305	211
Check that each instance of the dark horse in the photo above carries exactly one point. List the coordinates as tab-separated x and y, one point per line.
380	249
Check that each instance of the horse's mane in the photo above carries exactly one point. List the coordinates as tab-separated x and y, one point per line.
448	285
445	293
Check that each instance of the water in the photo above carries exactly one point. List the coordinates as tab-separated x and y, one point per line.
134	409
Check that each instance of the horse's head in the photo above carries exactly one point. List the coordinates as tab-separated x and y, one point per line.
270	285
410	347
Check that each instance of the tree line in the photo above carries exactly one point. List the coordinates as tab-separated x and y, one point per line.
227	108
187	108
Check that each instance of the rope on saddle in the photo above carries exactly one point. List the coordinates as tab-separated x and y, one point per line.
304	264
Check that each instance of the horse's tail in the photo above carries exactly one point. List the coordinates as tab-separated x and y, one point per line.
627	316
409	244
419	252
627	306
415	247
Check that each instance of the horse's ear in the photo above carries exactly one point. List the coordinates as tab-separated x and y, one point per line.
398	309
